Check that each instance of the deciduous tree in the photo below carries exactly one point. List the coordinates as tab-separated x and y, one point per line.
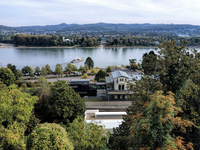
87	136
16	108
64	104
58	69
37	71
7	76
49	136
100	74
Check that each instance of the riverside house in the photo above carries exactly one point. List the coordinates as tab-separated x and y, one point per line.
117	85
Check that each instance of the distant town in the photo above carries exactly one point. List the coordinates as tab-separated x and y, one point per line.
106	33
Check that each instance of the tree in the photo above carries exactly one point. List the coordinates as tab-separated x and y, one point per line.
47	67
87	136
37	71
116	41
26	70
64	104
19	72
7	76
131	61
42	91
16	108
14	70
44	71
70	68
149	63
142	90
134	66
174	66
89	62
49	136
151	129
100	74
58	69
108	69
85	76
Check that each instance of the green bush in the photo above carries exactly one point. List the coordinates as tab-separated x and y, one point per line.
49	136
102	80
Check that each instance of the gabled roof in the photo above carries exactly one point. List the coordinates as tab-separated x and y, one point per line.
119	73
109	79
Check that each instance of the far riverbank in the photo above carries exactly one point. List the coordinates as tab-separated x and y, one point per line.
10	45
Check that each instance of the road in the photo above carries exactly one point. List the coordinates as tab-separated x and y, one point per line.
63	78
53	78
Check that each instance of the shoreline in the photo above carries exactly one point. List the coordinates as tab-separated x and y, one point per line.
9	45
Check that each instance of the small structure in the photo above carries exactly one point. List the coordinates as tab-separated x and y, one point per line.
108	120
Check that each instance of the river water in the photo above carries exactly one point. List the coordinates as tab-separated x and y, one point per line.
102	57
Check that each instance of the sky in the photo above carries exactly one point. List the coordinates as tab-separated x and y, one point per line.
52	12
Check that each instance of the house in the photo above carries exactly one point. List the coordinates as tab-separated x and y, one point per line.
117	85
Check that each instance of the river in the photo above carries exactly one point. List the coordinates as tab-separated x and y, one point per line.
102	57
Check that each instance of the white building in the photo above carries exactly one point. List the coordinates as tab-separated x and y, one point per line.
117	85
108	120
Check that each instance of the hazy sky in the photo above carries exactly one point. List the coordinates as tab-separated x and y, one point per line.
51	12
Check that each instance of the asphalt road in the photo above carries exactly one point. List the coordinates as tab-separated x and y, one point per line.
63	78
128	71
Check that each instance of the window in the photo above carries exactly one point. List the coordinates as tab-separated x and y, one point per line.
122	87
119	87
121	79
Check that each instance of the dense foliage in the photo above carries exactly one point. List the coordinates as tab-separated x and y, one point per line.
64	104
89	62
15	109
87	136
49	136
7	76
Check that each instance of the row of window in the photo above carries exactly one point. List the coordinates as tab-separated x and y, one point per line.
121	80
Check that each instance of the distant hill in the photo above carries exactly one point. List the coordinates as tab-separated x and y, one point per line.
103	27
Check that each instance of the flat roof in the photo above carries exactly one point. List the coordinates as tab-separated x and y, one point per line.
85	81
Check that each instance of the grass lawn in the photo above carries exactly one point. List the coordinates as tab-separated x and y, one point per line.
95	70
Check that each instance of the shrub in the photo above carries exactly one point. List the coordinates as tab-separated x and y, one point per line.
49	136
102	80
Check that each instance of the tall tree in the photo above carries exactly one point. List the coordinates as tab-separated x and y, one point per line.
37	71
64	104
89	62
26	70
44	71
149	63
70	68
16	108
47	67
174	65
7	76
14	70
152	128
58	69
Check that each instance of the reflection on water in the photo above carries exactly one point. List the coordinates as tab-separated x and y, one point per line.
102	57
